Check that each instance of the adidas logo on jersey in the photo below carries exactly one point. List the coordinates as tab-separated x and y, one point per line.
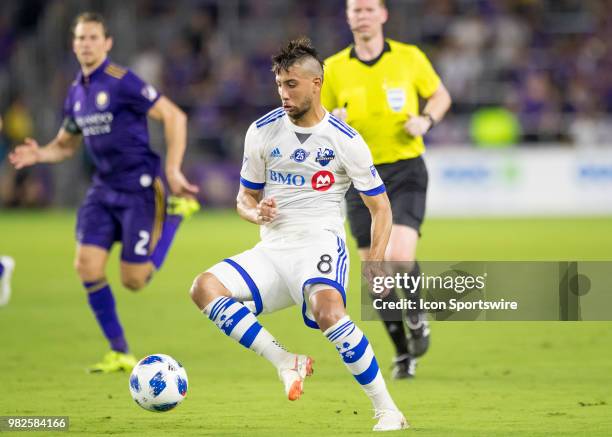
276	153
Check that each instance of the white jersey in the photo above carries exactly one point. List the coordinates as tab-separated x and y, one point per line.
307	170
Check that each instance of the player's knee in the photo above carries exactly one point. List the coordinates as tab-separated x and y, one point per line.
204	289
133	282
403	266
397	254
87	269
79	267
327	317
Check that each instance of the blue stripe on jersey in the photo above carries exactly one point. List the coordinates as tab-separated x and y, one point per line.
369	374
252	185
340	271
341	250
340	128
319	280
343	266
310	323
374	191
249	336
268	115
344	124
250	283
357	352
270	120
230	323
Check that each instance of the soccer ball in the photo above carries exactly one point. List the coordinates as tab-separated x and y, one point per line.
158	383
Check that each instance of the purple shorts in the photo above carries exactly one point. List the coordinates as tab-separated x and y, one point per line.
135	219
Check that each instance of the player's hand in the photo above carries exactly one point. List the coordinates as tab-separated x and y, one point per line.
375	269
179	185
417	126
266	210
25	154
340	113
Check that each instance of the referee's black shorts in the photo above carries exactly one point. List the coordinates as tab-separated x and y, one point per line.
406	184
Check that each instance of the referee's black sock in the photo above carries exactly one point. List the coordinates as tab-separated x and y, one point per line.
413	316
397	333
416	320
394	325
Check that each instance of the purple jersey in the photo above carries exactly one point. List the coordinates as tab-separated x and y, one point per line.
109	108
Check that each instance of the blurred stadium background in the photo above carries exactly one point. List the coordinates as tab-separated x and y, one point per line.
530	131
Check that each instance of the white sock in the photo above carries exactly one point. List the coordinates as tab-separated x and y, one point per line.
358	356
237	322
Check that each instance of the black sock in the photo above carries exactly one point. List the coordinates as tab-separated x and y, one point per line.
394	325
397	334
413	316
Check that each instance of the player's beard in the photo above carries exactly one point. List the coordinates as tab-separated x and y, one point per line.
302	110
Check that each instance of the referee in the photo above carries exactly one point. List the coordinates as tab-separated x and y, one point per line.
375	85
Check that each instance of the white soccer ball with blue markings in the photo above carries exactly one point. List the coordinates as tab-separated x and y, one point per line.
158	383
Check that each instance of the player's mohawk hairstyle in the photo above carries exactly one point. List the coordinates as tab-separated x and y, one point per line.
295	51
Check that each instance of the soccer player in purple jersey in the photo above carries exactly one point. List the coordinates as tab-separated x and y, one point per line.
108	105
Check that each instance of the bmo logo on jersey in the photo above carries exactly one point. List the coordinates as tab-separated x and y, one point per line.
296	180
322	180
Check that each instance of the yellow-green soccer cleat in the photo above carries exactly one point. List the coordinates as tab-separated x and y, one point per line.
183	206
114	362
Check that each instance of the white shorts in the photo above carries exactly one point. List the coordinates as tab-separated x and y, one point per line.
275	275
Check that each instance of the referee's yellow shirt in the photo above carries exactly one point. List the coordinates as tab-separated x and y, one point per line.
379	95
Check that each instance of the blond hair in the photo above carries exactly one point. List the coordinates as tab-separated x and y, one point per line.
91	17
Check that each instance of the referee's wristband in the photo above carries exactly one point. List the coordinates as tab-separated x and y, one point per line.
432	121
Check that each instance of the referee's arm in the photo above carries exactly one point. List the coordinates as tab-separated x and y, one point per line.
435	109
438	104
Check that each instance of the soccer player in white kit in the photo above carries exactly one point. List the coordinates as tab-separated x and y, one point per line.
299	161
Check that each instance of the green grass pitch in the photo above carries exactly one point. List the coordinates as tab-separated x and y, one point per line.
483	378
